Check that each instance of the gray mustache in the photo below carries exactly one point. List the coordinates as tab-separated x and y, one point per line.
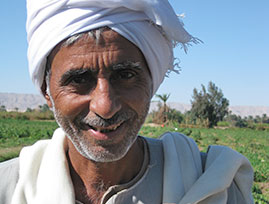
98	121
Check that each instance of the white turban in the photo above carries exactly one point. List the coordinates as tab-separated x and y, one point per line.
151	25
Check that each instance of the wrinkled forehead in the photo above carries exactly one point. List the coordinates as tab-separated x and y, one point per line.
94	43
98	40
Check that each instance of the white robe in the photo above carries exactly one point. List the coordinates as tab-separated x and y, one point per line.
227	177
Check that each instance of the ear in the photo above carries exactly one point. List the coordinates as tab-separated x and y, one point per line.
47	97
45	94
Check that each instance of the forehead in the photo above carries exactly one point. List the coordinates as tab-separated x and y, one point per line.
110	48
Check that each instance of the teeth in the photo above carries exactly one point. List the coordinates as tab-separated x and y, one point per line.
108	129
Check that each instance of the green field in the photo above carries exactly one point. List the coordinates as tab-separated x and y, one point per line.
14	134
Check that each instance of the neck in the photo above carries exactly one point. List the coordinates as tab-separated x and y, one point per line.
91	179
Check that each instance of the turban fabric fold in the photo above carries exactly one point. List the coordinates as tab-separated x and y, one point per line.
151	25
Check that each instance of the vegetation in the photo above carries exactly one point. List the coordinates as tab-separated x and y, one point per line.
3	108
162	114
15	134
165	115
259	123
209	105
19	129
42	113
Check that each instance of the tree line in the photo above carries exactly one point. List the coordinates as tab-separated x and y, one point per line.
43	112
209	108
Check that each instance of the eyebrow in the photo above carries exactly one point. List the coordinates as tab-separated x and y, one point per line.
126	64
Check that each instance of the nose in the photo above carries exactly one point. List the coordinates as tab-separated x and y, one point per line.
104	101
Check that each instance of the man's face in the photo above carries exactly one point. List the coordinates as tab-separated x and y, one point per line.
100	94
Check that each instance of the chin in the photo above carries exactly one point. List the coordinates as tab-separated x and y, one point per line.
104	154
101	152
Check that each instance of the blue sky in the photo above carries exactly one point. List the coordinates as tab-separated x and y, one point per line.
234	55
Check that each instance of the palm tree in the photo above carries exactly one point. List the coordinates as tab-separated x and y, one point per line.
164	98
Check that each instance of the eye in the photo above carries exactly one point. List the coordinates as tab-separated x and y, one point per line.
126	75
80	79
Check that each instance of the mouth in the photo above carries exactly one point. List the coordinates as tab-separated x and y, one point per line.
107	129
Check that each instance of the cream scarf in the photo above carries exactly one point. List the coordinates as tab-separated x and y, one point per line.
44	174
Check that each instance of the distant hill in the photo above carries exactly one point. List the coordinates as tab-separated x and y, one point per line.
250	110
23	101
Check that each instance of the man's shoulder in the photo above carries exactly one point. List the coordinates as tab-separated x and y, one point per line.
9	163
9	173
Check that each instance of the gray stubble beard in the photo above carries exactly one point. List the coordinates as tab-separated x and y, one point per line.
108	153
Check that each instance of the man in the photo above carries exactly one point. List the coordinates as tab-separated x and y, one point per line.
98	64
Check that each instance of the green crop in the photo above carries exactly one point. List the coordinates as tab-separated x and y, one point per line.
15	134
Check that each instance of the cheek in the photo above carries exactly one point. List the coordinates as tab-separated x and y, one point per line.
137	97
65	101
70	105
